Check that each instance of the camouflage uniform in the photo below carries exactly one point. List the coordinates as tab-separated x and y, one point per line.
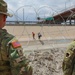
68	65
12	61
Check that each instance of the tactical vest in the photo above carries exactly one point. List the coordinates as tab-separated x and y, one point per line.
4	53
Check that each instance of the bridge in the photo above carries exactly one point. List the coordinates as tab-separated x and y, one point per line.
64	16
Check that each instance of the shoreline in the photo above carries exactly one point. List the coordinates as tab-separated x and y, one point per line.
48	32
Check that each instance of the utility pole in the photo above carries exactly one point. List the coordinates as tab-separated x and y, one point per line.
23	15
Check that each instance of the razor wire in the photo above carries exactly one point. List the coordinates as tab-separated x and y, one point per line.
43	30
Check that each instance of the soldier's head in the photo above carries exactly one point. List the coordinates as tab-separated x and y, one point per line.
3	13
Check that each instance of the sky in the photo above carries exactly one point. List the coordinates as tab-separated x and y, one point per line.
29	10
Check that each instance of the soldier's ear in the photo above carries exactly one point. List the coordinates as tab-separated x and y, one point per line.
4	18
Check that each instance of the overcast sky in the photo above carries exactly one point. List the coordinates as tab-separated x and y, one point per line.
29	10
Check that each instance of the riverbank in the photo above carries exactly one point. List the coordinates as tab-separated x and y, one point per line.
50	32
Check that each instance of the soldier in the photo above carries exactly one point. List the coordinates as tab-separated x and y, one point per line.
68	64
12	61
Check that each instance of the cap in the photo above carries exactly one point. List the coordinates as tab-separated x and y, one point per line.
3	8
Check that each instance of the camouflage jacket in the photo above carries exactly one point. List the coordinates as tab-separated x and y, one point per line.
11	55
68	64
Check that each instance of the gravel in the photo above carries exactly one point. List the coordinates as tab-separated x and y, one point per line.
47	62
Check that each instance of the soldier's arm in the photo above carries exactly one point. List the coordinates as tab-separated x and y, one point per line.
17	59
68	62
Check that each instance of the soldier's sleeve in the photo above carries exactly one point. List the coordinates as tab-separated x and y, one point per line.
68	62
18	62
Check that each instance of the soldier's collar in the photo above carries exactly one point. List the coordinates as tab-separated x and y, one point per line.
2	31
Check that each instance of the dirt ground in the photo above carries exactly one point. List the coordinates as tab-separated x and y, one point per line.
47	62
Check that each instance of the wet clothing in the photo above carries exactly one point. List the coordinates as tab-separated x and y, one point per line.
33	34
39	35
68	64
12	60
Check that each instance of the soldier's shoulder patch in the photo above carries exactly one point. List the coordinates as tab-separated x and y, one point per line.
15	43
